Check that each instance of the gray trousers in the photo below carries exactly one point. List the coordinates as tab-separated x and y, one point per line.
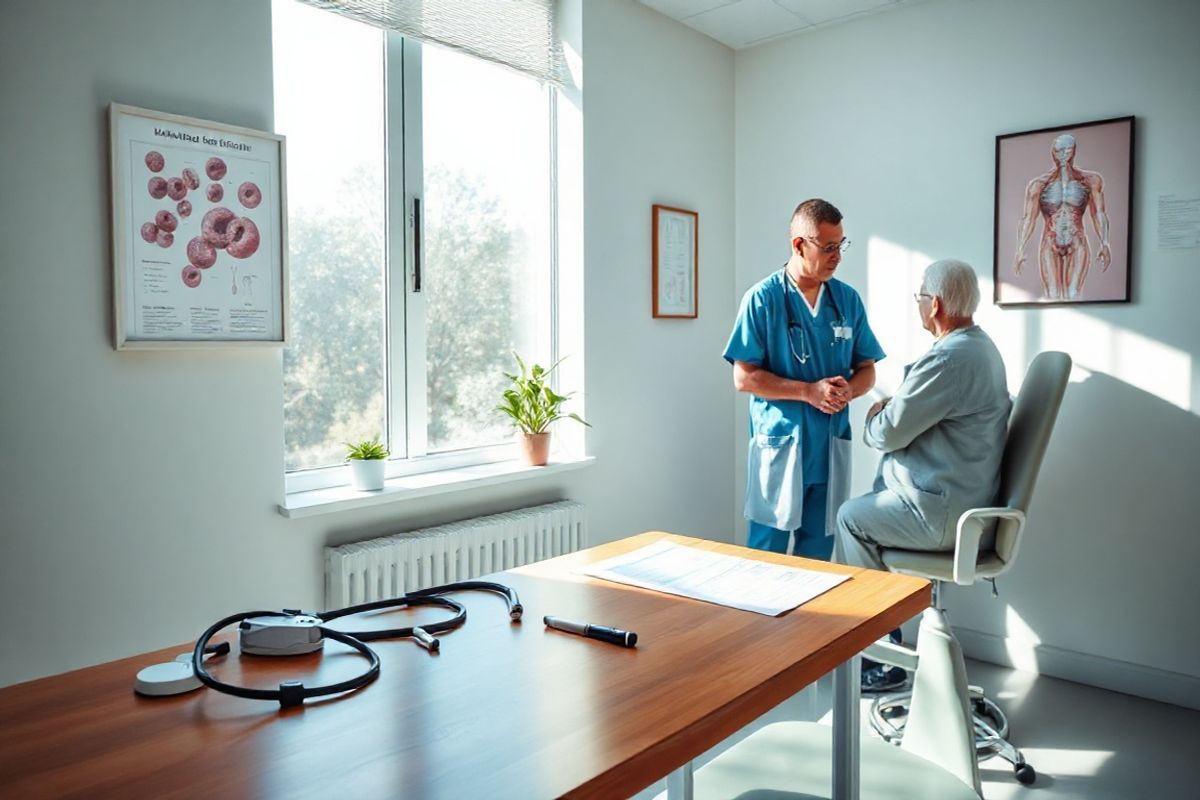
882	519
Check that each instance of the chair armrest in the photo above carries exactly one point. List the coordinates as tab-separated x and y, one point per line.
970	530
895	654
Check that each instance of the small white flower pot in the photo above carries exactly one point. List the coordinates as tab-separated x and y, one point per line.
366	475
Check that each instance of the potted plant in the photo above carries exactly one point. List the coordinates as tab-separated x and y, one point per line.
533	405
367	460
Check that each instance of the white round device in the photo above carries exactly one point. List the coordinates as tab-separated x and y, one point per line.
171	677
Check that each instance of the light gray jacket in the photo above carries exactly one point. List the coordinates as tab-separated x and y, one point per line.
943	432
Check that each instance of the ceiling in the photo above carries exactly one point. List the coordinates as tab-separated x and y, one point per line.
745	23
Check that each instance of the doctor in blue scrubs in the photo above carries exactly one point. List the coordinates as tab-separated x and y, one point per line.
802	349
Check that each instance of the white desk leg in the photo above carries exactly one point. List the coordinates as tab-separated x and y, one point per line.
847	679
679	783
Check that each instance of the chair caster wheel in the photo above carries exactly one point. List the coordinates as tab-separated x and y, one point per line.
1025	774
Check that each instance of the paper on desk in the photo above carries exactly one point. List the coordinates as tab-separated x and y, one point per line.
743	583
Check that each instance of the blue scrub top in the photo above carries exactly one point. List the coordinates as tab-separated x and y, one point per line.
761	337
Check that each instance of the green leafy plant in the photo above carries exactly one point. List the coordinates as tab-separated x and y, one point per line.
530	402
366	450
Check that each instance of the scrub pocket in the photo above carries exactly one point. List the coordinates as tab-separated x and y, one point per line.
775	481
839	481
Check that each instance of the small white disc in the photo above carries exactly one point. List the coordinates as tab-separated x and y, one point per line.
171	677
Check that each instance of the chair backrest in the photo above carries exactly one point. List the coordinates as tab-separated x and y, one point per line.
939	726
1029	429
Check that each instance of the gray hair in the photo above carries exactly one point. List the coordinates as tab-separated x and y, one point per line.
955	282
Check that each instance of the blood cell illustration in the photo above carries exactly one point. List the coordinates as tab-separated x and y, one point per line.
249	195
214	228
214	192
150	232
155	161
176	188
184	208
243	238
166	221
165	239
215	169
191	178
191	276
201	253
157	187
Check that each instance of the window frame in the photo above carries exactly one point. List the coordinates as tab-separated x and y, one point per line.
405	381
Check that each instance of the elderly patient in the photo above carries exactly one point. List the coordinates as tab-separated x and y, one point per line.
941	435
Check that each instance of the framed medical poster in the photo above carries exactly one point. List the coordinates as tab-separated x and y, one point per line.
1063	214
199	232
676	239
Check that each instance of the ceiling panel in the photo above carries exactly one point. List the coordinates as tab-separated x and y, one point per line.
746	21
821	11
682	9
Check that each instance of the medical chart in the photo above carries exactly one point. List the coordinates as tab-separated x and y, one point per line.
742	583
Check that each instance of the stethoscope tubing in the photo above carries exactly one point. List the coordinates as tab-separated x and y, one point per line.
804	355
291	693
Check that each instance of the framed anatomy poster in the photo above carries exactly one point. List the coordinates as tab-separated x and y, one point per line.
676	238
1064	206
199	232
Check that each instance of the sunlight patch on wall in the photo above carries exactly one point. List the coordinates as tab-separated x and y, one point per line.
1138	360
1020	641
893	275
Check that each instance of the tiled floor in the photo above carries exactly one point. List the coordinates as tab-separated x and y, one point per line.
1085	743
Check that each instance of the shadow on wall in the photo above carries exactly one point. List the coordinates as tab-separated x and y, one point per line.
1111	519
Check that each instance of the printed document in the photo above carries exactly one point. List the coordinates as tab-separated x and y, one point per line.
744	583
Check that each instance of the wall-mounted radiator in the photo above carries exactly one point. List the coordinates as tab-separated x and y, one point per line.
393	565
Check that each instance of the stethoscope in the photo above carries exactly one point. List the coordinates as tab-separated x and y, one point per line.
294	693
841	331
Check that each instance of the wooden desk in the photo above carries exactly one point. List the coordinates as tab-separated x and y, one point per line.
505	711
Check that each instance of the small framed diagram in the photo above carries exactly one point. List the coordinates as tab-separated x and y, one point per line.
676	239
1064	208
199	232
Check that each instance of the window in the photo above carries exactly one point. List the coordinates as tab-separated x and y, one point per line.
376	124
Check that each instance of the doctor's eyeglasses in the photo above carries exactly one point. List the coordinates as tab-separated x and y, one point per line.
827	249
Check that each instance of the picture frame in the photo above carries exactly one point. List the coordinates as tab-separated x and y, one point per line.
675	246
199	232
1062	232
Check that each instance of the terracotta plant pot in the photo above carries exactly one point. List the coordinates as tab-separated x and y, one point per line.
535	448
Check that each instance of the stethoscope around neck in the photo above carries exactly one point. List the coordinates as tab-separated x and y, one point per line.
840	329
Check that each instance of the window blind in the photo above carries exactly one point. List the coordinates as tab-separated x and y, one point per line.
521	34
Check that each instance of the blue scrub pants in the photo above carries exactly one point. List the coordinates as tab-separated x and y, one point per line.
811	541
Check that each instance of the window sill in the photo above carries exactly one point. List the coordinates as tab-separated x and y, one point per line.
411	487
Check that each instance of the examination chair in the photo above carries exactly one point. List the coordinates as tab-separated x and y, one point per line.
935	760
980	554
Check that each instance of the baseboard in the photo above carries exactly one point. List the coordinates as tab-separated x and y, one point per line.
1105	673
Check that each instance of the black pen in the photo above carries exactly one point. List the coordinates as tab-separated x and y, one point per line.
604	634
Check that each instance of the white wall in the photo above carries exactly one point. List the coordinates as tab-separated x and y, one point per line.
893	118
138	490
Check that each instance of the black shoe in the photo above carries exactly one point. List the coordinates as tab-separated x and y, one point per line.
883	678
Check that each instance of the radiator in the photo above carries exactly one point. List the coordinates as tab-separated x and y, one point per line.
390	566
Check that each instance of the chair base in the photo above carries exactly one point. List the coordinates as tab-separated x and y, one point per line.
889	713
